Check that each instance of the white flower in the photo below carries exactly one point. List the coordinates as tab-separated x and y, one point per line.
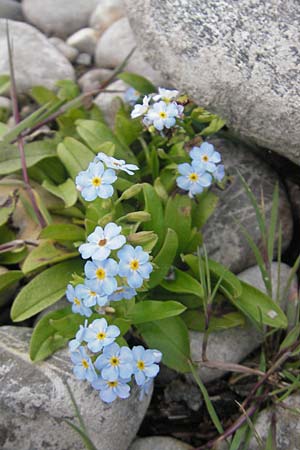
117	164
166	95
140	110
102	241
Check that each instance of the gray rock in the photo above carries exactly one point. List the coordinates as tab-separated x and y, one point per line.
57	17
159	443
109	102
287	425
115	44
84	40
9	9
93	78
34	403
176	391
234	344
106	13
222	235
5	103
85	59
238	60
36	61
69	52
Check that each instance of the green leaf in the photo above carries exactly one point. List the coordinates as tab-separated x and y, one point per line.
63	232
4	83
10	160
65	191
138	82
171	337
126	129
45	340
182	282
291	338
74	155
68	325
215	125
42	95
68	89
153	206
195	320
164	259
208	202
6	209
259	307
44	290
178	217
150	310
46	253
9	278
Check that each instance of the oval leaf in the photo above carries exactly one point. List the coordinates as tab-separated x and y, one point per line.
63	232
164	259
182	282
154	310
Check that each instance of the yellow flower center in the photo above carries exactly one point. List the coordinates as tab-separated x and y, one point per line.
134	264
85	363
163	115
140	365
102	242
166	99
114	361
100	273
96	181
112	384
193	177
205	158
101	335
76	301
93	293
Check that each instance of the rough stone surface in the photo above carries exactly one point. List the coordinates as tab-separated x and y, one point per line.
57	17
69	52
222	235
120	38
36	61
9	9
34	401
92	79
84	40
159	443
240	60
109	103
234	344
106	13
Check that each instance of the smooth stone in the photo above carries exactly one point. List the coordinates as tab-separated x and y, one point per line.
69	52
57	17
239	60
36	61
109	102
93	78
85	59
234	344
114	46
84	40
222	235
159	443
106	13
34	402
5	103
9	9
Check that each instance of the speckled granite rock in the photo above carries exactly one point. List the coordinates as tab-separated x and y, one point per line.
222	236
36	61
239	59
34	401
159	443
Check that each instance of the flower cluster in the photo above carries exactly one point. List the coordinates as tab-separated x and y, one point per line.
159	110
109	368
97	180
204	168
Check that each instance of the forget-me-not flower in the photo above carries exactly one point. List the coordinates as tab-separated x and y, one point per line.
111	389
193	178
144	364
162	115
102	241
122	292
166	95
219	173
140	110
83	368
145	389
117	164
74	344
89	296
99	334
134	264
206	155
131	96
115	362
74	296
96	182
102	275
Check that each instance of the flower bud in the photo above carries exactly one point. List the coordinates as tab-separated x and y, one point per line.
131	192
137	216
142	237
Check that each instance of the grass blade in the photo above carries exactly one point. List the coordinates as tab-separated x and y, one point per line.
273	224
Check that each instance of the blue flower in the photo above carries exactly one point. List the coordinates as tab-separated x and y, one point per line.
145	389
102	275
123	292
194	178
74	296
89	296
117	164
83	369
111	389
96	182
115	362
166	95
99	334
219	173
102	241
134	265
162	115
131	96
144	364
206	156
74	344
140	110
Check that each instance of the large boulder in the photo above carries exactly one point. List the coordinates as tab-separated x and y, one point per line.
59	17
238	59
36	61
34	402
10	9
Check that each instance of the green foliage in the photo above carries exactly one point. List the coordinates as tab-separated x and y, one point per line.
138	82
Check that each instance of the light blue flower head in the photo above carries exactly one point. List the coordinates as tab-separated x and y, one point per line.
102	275
99	334
102	241
144	364
96	182
193	178
115	362
73	295
134	264
110	390
206	156
83	367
